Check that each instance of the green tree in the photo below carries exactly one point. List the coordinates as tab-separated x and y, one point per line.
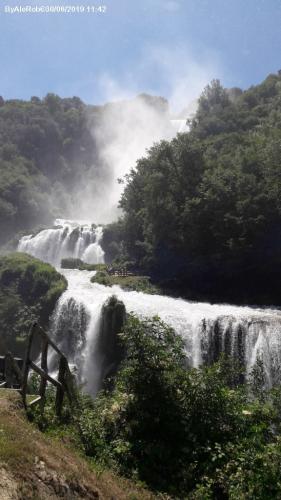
162	423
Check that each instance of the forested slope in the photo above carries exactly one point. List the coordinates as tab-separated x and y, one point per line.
202	213
45	146
51	150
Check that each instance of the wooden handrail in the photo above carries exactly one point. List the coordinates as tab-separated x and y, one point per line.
44	366
64	383
45	375
50	342
27	362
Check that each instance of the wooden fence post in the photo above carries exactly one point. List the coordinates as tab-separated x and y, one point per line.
70	386
13	369
64	383
60	390
44	366
27	363
8	372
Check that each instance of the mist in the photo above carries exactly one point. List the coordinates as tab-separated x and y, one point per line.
124	133
127	126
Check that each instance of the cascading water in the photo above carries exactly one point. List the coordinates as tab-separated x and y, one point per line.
208	330
180	126
66	239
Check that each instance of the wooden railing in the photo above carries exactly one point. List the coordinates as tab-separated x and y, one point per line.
64	383
10	371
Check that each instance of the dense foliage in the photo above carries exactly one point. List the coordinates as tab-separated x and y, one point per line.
189	433
41	144
51	151
29	290
202	213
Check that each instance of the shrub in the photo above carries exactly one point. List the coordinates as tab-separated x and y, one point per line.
129	283
191	433
29	290
162	423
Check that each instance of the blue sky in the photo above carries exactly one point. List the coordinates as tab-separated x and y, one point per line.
166	47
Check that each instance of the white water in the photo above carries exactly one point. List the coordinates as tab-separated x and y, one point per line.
180	126
66	239
207	330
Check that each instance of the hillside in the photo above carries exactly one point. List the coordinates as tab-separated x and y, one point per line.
52	152
40	143
202	213
34	466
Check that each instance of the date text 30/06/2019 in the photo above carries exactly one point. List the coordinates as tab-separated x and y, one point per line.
55	9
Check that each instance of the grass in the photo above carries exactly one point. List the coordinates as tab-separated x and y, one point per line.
11	393
15	439
130	283
23	446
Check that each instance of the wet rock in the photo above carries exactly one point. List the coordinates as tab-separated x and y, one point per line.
109	347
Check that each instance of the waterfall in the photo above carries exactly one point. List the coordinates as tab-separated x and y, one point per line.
68	327
67	239
180	126
246	333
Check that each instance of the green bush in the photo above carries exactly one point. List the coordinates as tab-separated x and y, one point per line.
29	290
190	433
102	278
162	423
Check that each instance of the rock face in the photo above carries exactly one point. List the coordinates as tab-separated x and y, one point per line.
109	346
8	486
